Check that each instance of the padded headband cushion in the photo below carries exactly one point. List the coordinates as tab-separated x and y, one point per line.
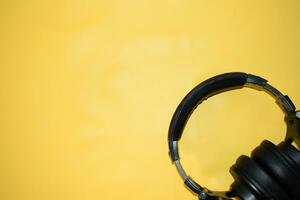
204	90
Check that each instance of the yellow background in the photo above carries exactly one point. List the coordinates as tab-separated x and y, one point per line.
88	89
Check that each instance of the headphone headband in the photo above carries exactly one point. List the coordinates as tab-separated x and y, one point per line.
211	87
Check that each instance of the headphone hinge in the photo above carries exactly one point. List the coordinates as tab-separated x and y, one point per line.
292	121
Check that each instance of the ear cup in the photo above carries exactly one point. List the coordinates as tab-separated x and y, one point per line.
242	191
255	180
292	152
279	166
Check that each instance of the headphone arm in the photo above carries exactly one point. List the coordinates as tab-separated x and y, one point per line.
293	128
216	195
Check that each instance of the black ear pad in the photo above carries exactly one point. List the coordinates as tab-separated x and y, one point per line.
292	152
255	181
279	166
242	190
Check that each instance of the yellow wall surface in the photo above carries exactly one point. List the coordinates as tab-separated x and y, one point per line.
88	89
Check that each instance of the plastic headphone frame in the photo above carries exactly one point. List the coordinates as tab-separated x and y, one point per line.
292	120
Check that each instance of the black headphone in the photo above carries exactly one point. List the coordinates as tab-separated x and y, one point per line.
272	171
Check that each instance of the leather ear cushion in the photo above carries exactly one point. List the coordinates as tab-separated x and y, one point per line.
241	190
278	166
247	172
292	152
